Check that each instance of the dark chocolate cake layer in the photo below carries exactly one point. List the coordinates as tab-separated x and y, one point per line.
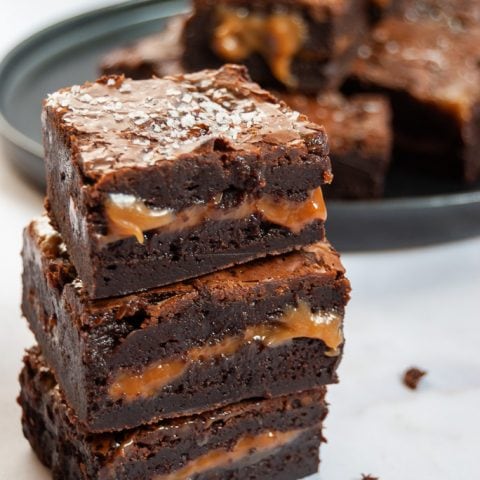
268	328
304	45
156	181
276	439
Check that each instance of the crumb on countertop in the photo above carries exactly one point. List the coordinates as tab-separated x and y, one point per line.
412	377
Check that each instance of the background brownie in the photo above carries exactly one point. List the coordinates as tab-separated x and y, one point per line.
156	55
264	329
155	181
305	45
360	140
275	439
429	69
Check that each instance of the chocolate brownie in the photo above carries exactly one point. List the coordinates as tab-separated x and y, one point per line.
456	14
264	329
430	71
276	439
157	55
305	45
155	181
360	139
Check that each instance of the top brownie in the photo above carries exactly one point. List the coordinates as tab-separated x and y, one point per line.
154	181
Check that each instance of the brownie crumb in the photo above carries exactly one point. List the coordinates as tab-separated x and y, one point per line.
369	477
412	377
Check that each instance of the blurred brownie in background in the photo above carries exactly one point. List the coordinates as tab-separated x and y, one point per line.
156	55
360	139
306	45
430	71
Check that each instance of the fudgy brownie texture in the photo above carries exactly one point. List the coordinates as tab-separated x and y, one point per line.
276	439
360	139
155	181
265	329
429	69
305	45
157	55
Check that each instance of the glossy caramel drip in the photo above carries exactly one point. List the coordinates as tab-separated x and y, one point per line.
296	322
251	449
294	215
128	216
277	36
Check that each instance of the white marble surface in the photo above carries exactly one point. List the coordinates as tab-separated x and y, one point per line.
414	307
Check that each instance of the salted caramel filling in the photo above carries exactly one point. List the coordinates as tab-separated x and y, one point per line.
128	216
296	322
277	37
249	449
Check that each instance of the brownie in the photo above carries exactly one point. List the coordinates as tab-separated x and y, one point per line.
275	439
157	55
457	14
305	45
155	181
360	139
429	69
264	329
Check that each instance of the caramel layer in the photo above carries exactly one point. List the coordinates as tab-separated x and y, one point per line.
250	449
277	36
296	322
128	216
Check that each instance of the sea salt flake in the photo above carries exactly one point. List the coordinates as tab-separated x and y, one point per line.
125	88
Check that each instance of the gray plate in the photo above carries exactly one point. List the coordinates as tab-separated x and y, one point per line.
414	213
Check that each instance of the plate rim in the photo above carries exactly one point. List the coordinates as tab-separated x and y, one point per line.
22	141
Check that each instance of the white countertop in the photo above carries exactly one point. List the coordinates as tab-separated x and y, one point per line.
418	307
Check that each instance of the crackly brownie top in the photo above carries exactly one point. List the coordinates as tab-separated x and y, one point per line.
432	61
116	123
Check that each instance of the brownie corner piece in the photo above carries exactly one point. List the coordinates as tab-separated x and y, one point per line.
273	439
304	45
200	171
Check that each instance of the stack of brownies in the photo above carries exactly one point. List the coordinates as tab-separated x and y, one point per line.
187	306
